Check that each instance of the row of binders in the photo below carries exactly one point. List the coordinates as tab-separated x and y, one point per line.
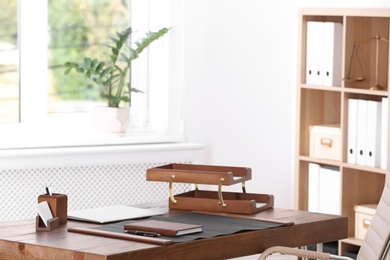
324	189
324	53
367	132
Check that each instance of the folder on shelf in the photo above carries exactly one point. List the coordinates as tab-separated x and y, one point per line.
330	190
332	54
324	194
314	52
384	131
314	183
361	132
352	130
373	141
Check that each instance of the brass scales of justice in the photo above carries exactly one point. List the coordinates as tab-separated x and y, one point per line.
355	55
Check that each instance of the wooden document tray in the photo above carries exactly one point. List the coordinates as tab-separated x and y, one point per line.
229	202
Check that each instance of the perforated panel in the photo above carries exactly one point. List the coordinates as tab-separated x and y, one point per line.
86	187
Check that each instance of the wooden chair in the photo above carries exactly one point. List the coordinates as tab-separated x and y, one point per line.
376	242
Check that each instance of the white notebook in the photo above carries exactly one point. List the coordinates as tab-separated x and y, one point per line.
113	213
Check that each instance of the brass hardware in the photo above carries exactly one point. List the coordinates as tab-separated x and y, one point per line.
366	223
171	191
355	52
326	142
376	86
221	202
196	187
243	187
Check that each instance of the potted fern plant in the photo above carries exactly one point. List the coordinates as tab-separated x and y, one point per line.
111	77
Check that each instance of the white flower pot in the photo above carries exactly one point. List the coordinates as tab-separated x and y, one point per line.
111	119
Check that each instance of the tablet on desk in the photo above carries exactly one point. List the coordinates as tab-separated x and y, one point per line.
112	214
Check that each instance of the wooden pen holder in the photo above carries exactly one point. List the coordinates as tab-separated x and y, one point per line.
198	200
51	224
58	204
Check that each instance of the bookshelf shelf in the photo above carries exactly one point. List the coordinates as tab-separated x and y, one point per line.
363	168
365	92
335	89
319	104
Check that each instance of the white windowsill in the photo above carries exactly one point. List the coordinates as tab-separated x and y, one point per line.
75	130
86	139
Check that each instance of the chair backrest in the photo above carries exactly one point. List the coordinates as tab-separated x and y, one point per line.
378	234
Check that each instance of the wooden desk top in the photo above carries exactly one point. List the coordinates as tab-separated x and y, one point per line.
19	240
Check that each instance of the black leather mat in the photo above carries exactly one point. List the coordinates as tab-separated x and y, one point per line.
213	225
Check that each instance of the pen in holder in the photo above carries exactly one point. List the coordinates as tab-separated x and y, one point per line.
58	204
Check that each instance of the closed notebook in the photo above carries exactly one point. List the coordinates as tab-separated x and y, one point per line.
164	228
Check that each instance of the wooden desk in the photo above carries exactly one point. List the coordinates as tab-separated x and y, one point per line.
20	240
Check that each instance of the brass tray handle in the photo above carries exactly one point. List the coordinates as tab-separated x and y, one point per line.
220	197
221	202
171	191
243	187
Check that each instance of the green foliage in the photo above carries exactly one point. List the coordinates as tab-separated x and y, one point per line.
111	74
9	22
78	29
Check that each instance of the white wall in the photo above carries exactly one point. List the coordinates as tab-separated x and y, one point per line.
239	72
240	85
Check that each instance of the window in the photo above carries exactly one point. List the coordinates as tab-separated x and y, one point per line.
78	29
54	112
9	62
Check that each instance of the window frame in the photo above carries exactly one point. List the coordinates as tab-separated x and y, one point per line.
37	128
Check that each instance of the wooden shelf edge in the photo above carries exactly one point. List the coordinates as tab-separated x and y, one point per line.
324	88
319	161
364	12
342	164
366	91
364	168
383	93
352	241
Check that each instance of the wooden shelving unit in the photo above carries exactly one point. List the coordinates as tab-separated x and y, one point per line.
318	105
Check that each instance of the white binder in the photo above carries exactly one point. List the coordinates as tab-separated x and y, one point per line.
324	193
352	130
314	52
384	129
373	142
361	132
330	190
332	54
314	185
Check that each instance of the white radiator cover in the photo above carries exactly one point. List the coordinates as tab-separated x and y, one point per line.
90	176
